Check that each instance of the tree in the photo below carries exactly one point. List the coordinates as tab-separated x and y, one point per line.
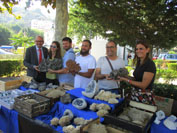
4	35
78	26
21	39
61	19
153	20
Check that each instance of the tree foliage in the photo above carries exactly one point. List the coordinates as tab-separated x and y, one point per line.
153	20
78	26
7	5
4	35
21	39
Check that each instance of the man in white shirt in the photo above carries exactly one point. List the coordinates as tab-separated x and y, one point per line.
103	68
87	63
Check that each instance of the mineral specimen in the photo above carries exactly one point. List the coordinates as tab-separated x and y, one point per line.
64	120
68	113
122	72
46	64
97	128
106	96
55	93
79	103
65	98
80	121
72	66
91	90
54	121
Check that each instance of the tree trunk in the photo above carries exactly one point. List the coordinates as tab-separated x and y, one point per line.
61	21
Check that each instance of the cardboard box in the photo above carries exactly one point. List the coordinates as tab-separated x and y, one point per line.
166	104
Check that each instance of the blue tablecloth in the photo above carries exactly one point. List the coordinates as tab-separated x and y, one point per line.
78	93
8	120
25	89
58	110
161	128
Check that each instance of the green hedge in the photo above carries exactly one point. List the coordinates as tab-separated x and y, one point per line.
172	66
10	67
165	90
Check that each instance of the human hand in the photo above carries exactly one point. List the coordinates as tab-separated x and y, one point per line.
121	78
36	68
50	71
108	77
65	70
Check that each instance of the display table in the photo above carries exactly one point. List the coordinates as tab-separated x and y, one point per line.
78	93
161	128
8	120
59	108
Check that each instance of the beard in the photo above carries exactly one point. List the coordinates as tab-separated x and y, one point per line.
84	52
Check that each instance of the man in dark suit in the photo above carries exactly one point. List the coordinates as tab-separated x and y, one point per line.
33	57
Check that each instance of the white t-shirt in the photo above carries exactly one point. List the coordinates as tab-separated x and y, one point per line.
106	69
85	62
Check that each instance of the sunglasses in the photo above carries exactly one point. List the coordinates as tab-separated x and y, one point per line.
53	46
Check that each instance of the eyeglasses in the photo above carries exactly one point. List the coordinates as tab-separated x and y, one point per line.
139	49
53	46
110	47
39	41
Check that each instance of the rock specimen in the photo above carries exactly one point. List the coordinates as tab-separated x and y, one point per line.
72	66
91	90
54	121
107	96
46	64
122	72
79	103
65	98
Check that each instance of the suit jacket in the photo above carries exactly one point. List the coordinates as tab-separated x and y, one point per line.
31	60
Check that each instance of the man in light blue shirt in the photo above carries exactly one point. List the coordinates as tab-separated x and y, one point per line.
63	76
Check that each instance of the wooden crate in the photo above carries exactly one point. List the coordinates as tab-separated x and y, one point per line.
29	109
10	84
128	125
109	129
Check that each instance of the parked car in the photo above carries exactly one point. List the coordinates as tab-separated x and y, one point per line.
168	57
4	52
155	58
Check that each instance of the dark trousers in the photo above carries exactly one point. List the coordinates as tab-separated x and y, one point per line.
41	77
53	81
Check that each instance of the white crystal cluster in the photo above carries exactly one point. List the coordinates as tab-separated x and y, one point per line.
64	120
170	122
97	128
159	116
102	109
107	96
91	90
136	116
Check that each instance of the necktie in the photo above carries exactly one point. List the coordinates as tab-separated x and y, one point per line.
40	55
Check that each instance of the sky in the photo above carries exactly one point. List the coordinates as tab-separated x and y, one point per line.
37	4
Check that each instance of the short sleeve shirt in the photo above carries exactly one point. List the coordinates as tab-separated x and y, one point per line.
67	78
103	64
148	66
85	62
